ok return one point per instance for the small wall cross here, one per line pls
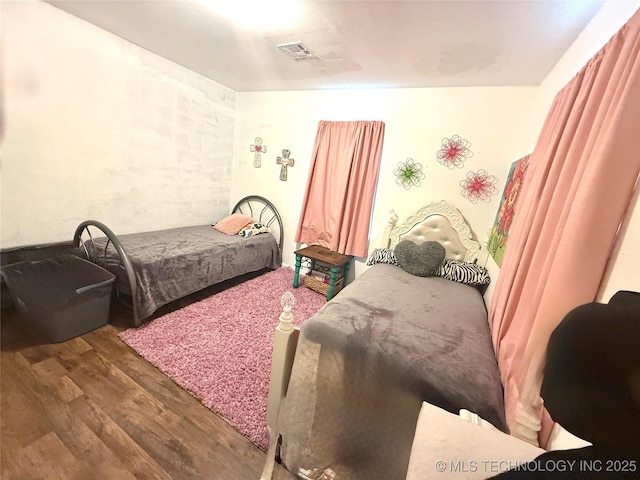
(285, 162)
(258, 148)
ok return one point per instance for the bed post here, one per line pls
(284, 347)
(124, 259)
(391, 222)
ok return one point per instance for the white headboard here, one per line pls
(440, 222)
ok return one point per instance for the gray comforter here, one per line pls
(170, 264)
(367, 360)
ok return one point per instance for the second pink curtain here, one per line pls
(580, 181)
(338, 202)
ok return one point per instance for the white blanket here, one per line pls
(446, 446)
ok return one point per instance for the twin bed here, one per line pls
(346, 390)
(156, 268)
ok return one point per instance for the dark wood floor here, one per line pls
(91, 408)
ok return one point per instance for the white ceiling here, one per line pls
(389, 43)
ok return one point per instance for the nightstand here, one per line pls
(337, 266)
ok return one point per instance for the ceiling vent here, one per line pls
(296, 50)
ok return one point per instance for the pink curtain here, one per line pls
(337, 206)
(580, 182)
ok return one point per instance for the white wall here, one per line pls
(416, 121)
(97, 127)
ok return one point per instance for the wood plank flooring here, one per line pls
(91, 408)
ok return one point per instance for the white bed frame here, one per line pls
(438, 221)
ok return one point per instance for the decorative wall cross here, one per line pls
(258, 148)
(285, 162)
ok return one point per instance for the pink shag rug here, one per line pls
(219, 349)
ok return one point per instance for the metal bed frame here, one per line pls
(267, 214)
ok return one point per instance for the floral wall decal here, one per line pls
(479, 186)
(259, 149)
(408, 174)
(454, 152)
(284, 161)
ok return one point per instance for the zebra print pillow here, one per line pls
(382, 255)
(463, 272)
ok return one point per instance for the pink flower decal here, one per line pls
(479, 186)
(454, 152)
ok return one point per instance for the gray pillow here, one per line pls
(422, 260)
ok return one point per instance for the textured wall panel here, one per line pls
(99, 128)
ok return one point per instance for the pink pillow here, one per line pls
(232, 224)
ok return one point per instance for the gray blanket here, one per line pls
(170, 264)
(367, 360)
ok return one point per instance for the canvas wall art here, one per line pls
(507, 208)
